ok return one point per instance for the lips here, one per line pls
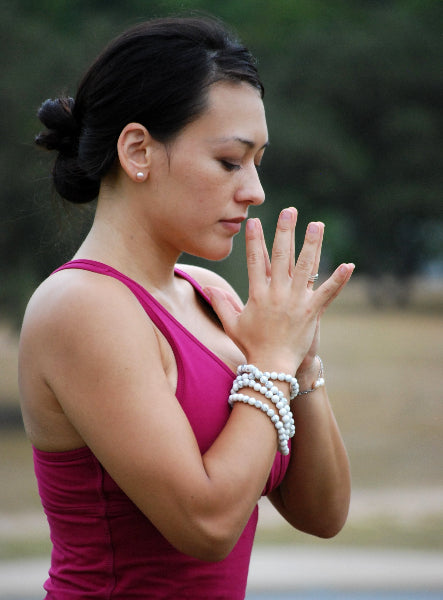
(235, 220)
(233, 225)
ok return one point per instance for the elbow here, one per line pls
(330, 514)
(209, 541)
(329, 529)
(215, 549)
(204, 529)
(326, 525)
(210, 548)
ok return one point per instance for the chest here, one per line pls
(197, 317)
(202, 322)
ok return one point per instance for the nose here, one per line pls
(250, 189)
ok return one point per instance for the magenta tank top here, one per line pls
(103, 546)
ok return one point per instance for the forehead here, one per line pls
(234, 111)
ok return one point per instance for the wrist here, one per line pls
(272, 401)
(280, 362)
(307, 372)
(312, 377)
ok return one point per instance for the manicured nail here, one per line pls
(313, 228)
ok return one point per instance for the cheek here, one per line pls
(205, 185)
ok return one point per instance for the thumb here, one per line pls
(225, 306)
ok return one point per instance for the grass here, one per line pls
(383, 370)
(384, 379)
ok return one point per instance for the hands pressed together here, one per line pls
(280, 321)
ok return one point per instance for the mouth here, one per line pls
(233, 225)
(235, 220)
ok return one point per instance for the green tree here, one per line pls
(356, 109)
(353, 96)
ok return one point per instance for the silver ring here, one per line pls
(313, 278)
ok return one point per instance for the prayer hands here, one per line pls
(280, 321)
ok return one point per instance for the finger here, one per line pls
(281, 249)
(316, 266)
(265, 250)
(331, 288)
(225, 306)
(309, 254)
(292, 259)
(350, 267)
(256, 257)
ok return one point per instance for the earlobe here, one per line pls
(134, 151)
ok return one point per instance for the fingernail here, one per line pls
(343, 269)
(313, 228)
(286, 214)
(250, 225)
(211, 293)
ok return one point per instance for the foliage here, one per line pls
(353, 94)
(366, 141)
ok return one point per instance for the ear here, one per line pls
(134, 149)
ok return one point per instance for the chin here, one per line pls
(214, 253)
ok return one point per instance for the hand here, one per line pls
(278, 326)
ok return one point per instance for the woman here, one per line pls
(150, 458)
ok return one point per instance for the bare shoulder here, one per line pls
(78, 316)
(76, 298)
(206, 277)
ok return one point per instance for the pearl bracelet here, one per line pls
(251, 376)
(283, 438)
(320, 382)
(274, 395)
(258, 375)
(247, 376)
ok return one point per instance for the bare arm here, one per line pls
(315, 493)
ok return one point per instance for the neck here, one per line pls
(118, 238)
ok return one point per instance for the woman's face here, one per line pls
(204, 182)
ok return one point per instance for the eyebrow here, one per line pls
(245, 142)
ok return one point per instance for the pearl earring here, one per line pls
(140, 176)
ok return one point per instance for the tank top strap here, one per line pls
(194, 284)
(103, 269)
(157, 313)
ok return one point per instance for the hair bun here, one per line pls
(62, 129)
(63, 134)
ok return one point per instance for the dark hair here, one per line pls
(156, 73)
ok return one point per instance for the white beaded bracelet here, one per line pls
(283, 437)
(247, 374)
(273, 394)
(251, 376)
(257, 374)
(320, 382)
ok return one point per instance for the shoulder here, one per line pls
(206, 277)
(74, 308)
(70, 293)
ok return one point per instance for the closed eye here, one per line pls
(229, 166)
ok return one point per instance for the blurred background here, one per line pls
(354, 104)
